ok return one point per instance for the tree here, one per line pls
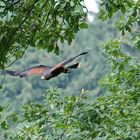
(129, 23)
(113, 116)
(40, 24)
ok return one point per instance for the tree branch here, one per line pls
(19, 26)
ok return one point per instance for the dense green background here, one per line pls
(93, 66)
(100, 100)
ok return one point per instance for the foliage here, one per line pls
(7, 121)
(125, 62)
(129, 22)
(40, 24)
(112, 116)
(108, 117)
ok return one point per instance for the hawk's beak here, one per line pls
(42, 77)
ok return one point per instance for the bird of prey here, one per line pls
(48, 72)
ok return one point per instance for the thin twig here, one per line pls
(11, 63)
(3, 79)
(61, 136)
(43, 7)
(51, 7)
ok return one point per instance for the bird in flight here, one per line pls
(48, 72)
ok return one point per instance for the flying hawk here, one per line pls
(48, 72)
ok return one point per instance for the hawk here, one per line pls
(48, 72)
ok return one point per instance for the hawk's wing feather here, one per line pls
(13, 73)
(36, 70)
(63, 63)
(71, 59)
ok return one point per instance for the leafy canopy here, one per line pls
(38, 23)
(129, 22)
(114, 116)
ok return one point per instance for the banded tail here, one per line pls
(74, 66)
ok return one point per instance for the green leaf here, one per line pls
(1, 108)
(83, 25)
(0, 86)
(4, 125)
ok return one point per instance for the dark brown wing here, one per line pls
(71, 59)
(36, 70)
(58, 66)
(63, 63)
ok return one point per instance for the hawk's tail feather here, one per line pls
(74, 66)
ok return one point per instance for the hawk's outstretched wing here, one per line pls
(58, 66)
(36, 70)
(71, 59)
(63, 63)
